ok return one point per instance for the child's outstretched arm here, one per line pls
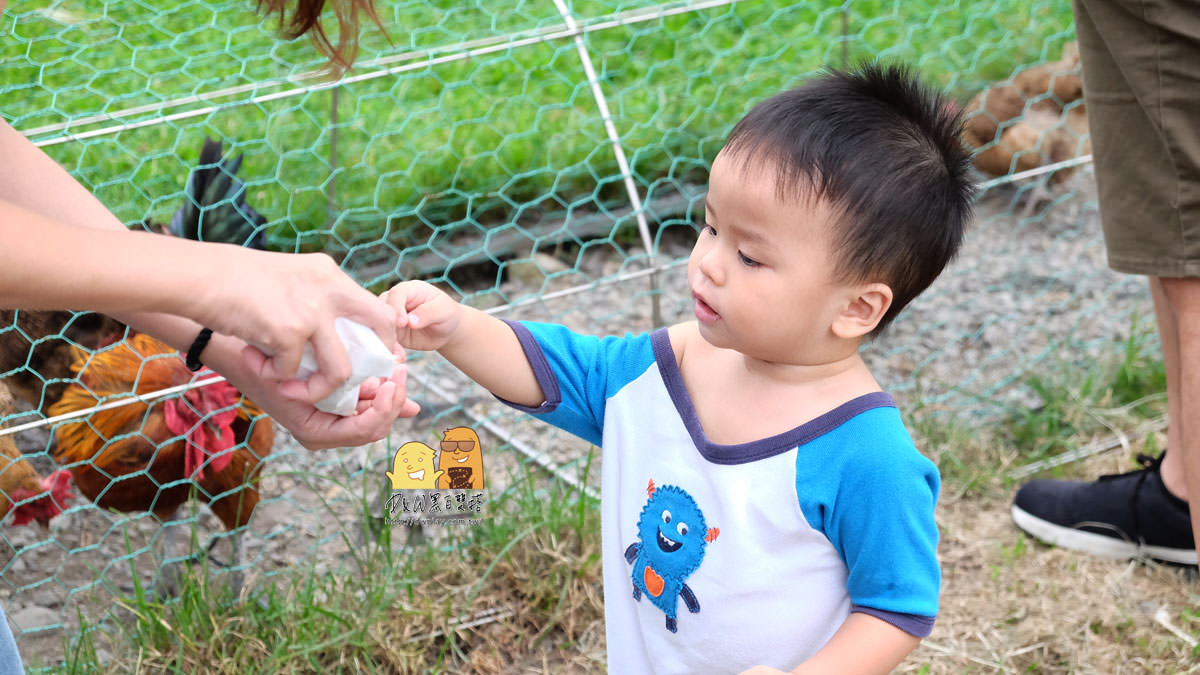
(480, 345)
(864, 645)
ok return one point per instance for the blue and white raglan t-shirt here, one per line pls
(720, 557)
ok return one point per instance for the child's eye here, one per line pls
(705, 228)
(748, 262)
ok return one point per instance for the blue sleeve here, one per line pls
(875, 504)
(579, 373)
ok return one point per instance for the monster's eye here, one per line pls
(666, 516)
(681, 528)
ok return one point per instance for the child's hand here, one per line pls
(482, 346)
(426, 318)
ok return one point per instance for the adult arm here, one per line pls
(60, 247)
(275, 302)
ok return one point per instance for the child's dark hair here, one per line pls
(884, 152)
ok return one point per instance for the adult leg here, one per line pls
(1142, 91)
(1173, 474)
(1182, 297)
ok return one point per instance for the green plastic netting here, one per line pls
(544, 159)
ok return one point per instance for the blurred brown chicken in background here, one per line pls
(140, 457)
(1036, 118)
(24, 492)
(152, 456)
(35, 350)
(146, 456)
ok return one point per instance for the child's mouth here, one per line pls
(704, 312)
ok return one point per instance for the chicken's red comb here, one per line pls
(54, 491)
(60, 485)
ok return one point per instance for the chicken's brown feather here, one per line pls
(19, 480)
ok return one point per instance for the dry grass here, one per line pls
(535, 607)
(1013, 605)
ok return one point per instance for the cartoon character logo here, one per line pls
(672, 537)
(412, 468)
(461, 460)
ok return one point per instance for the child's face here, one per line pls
(761, 272)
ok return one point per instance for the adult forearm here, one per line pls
(32, 180)
(60, 248)
(45, 264)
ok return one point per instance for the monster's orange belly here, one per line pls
(654, 582)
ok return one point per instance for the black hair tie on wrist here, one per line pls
(198, 345)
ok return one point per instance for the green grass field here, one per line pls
(466, 144)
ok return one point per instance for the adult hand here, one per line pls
(277, 303)
(380, 401)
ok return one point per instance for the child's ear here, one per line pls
(865, 310)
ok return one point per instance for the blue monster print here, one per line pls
(672, 537)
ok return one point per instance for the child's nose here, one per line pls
(710, 266)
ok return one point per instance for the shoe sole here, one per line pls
(1097, 544)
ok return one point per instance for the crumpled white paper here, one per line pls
(368, 358)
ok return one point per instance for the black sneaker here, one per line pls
(1128, 515)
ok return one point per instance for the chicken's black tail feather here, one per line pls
(214, 206)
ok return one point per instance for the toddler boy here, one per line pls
(762, 502)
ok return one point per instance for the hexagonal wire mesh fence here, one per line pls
(545, 159)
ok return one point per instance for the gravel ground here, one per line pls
(1024, 293)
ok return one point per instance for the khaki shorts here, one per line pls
(1141, 83)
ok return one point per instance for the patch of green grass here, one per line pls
(302, 624)
(965, 458)
(1075, 403)
(467, 145)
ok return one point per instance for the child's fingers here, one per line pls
(396, 298)
(406, 297)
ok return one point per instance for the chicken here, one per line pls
(1037, 118)
(36, 347)
(146, 456)
(23, 491)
